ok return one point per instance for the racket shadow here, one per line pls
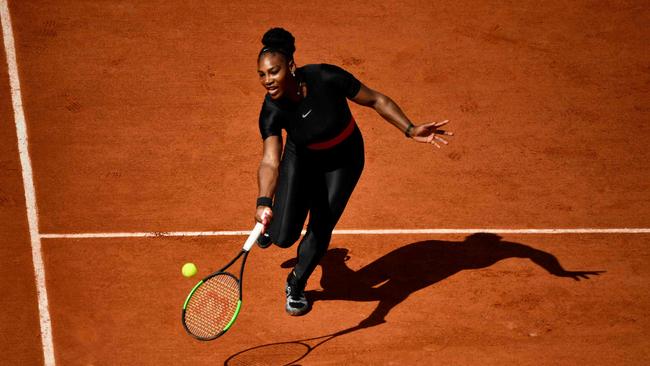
(283, 353)
(392, 278)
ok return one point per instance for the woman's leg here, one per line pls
(290, 204)
(331, 191)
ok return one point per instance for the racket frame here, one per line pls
(255, 233)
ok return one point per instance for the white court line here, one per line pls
(356, 232)
(28, 183)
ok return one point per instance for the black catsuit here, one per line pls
(316, 181)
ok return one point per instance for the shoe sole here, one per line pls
(296, 312)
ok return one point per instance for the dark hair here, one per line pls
(278, 40)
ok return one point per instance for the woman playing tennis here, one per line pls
(322, 158)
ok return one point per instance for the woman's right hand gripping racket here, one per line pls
(214, 303)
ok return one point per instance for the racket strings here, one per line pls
(212, 306)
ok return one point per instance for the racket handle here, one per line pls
(255, 233)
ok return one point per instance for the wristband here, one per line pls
(265, 201)
(407, 133)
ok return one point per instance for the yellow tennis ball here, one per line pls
(189, 269)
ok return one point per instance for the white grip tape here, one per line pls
(257, 230)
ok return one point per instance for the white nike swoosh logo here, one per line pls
(306, 114)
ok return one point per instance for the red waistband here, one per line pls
(336, 140)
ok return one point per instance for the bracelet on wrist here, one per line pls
(407, 132)
(265, 201)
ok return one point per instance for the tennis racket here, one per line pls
(214, 303)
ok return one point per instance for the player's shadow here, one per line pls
(393, 277)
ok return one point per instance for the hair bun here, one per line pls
(281, 39)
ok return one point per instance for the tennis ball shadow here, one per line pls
(392, 278)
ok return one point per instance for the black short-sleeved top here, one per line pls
(320, 116)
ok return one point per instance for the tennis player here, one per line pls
(318, 167)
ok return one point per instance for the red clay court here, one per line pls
(130, 146)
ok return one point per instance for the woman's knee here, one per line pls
(286, 238)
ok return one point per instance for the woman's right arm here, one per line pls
(267, 176)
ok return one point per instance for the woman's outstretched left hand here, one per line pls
(430, 133)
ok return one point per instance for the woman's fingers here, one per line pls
(434, 128)
(431, 139)
(430, 133)
(438, 124)
(441, 132)
(267, 215)
(264, 215)
(441, 139)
